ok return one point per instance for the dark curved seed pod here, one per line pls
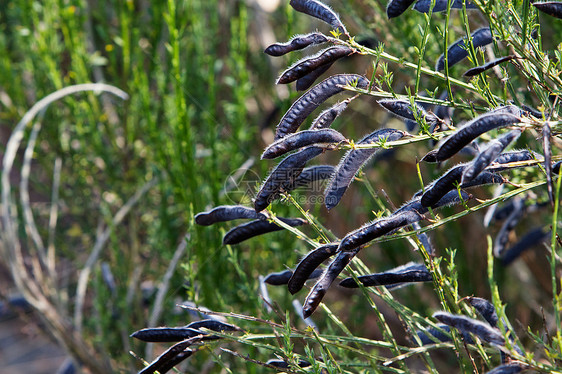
(327, 117)
(439, 335)
(424, 239)
(504, 159)
(284, 176)
(375, 229)
(301, 139)
(482, 68)
(471, 131)
(441, 186)
(546, 134)
(166, 334)
(512, 220)
(313, 174)
(312, 99)
(408, 273)
(317, 9)
(532, 111)
(283, 277)
(353, 160)
(297, 42)
(170, 358)
(457, 51)
(423, 6)
(213, 324)
(485, 309)
(430, 156)
(308, 265)
(488, 155)
(284, 365)
(308, 64)
(226, 213)
(552, 8)
(308, 80)
(319, 290)
(469, 325)
(532, 238)
(397, 7)
(483, 179)
(451, 198)
(403, 108)
(254, 228)
(506, 369)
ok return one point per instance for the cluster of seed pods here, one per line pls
(447, 190)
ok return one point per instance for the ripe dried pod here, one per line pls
(319, 290)
(485, 309)
(284, 176)
(301, 139)
(308, 80)
(353, 160)
(504, 159)
(327, 117)
(321, 11)
(408, 273)
(441, 186)
(439, 336)
(457, 51)
(509, 224)
(488, 155)
(512, 368)
(482, 68)
(403, 108)
(471, 130)
(213, 324)
(311, 175)
(170, 358)
(378, 228)
(312, 99)
(397, 7)
(532, 238)
(254, 228)
(469, 325)
(166, 334)
(308, 265)
(283, 277)
(552, 8)
(297, 42)
(226, 213)
(309, 64)
(451, 198)
(284, 365)
(546, 134)
(424, 6)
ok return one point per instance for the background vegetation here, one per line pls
(129, 175)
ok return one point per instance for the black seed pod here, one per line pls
(307, 65)
(423, 6)
(546, 134)
(327, 117)
(254, 228)
(403, 108)
(319, 290)
(532, 238)
(377, 229)
(480, 69)
(397, 7)
(513, 368)
(311, 175)
(439, 335)
(296, 43)
(170, 358)
(226, 213)
(312, 99)
(284, 365)
(166, 334)
(213, 324)
(353, 160)
(488, 155)
(485, 309)
(469, 325)
(471, 131)
(283, 277)
(441, 186)
(308, 265)
(317, 9)
(552, 8)
(301, 139)
(284, 176)
(408, 273)
(308, 80)
(457, 51)
(509, 224)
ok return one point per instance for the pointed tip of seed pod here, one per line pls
(348, 283)
(267, 155)
(307, 312)
(431, 156)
